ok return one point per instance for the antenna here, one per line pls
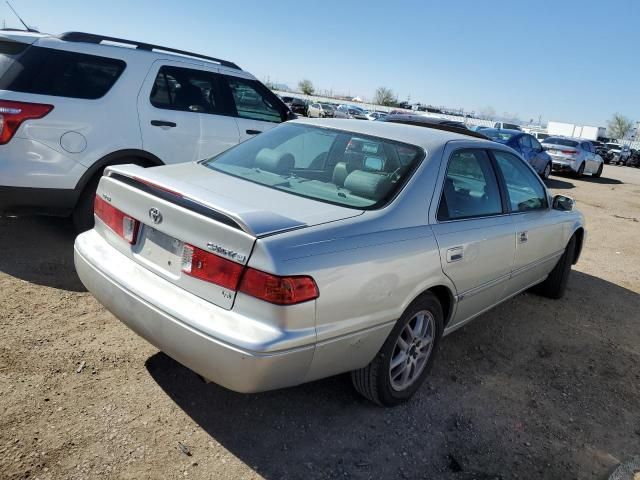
(29, 29)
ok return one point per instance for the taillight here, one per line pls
(12, 114)
(119, 222)
(211, 268)
(278, 290)
(568, 152)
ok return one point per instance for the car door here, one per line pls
(255, 107)
(473, 231)
(538, 235)
(183, 114)
(591, 165)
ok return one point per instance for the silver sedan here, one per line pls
(324, 246)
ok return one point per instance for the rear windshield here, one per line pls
(332, 166)
(561, 141)
(47, 71)
(499, 135)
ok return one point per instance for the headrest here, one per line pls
(367, 184)
(274, 161)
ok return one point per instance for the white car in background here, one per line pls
(76, 103)
(573, 155)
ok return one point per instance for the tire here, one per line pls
(374, 381)
(556, 283)
(82, 215)
(598, 174)
(546, 172)
(580, 171)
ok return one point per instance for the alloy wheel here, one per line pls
(412, 350)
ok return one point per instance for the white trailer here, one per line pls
(578, 131)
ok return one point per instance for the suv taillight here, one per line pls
(275, 289)
(121, 223)
(12, 114)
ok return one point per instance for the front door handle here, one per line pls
(455, 254)
(253, 132)
(523, 237)
(163, 123)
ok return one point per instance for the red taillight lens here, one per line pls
(119, 222)
(12, 114)
(569, 152)
(211, 268)
(278, 290)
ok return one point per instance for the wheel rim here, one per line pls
(412, 350)
(547, 171)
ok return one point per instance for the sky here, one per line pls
(562, 60)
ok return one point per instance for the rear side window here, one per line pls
(187, 90)
(470, 187)
(254, 101)
(524, 189)
(47, 71)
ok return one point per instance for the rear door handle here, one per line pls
(455, 254)
(163, 123)
(253, 132)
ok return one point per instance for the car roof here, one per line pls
(427, 138)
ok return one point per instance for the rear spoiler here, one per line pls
(176, 198)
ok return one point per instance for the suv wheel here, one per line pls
(406, 357)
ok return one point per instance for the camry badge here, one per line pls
(238, 257)
(155, 215)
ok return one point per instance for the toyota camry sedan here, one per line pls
(322, 247)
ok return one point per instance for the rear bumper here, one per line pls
(561, 165)
(27, 201)
(167, 318)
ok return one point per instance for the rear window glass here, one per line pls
(47, 71)
(328, 165)
(561, 141)
(499, 135)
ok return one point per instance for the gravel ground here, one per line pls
(533, 389)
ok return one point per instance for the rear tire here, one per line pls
(386, 386)
(580, 171)
(556, 283)
(599, 172)
(546, 172)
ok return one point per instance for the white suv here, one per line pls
(73, 104)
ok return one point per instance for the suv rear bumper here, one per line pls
(27, 201)
(166, 318)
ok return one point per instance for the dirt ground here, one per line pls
(533, 389)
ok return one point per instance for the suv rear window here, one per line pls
(60, 73)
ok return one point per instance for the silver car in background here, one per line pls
(320, 110)
(324, 246)
(573, 155)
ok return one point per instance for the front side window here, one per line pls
(253, 101)
(187, 90)
(328, 165)
(470, 187)
(61, 73)
(523, 187)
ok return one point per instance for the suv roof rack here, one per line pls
(93, 38)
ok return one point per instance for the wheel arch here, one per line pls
(445, 296)
(144, 158)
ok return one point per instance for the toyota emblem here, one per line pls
(155, 215)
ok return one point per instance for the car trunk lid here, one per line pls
(206, 210)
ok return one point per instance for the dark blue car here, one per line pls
(526, 145)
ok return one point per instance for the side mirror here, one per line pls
(563, 203)
(291, 115)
